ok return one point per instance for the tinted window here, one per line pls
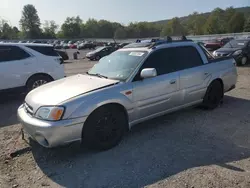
(161, 61)
(186, 57)
(12, 53)
(45, 50)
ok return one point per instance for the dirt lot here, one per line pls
(192, 149)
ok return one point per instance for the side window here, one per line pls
(45, 50)
(5, 54)
(161, 60)
(12, 53)
(187, 57)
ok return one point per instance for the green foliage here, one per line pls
(247, 25)
(120, 33)
(8, 32)
(72, 27)
(30, 22)
(218, 21)
(236, 23)
(49, 29)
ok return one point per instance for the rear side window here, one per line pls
(186, 57)
(45, 50)
(12, 53)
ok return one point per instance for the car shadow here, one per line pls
(9, 104)
(156, 149)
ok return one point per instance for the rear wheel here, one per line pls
(104, 128)
(213, 96)
(37, 81)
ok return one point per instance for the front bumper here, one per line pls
(51, 133)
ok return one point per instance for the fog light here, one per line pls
(42, 140)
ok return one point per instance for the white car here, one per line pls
(25, 66)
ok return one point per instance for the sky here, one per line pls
(123, 11)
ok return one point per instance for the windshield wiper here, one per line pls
(98, 75)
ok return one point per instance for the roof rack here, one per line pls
(150, 43)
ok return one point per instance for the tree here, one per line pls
(6, 31)
(49, 29)
(247, 25)
(228, 14)
(216, 22)
(236, 23)
(195, 24)
(30, 22)
(120, 33)
(173, 27)
(71, 28)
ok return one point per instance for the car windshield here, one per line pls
(236, 44)
(118, 65)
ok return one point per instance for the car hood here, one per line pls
(227, 50)
(58, 91)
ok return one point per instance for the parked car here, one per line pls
(26, 66)
(239, 49)
(73, 46)
(63, 54)
(100, 52)
(121, 45)
(65, 46)
(86, 45)
(126, 87)
(217, 43)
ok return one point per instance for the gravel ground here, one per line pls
(191, 148)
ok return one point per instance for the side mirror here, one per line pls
(148, 73)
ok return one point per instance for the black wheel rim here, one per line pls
(107, 129)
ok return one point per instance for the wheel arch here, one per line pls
(117, 105)
(38, 74)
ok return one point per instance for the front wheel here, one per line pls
(97, 58)
(104, 128)
(213, 96)
(243, 61)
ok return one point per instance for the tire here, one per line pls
(243, 61)
(214, 95)
(37, 81)
(97, 58)
(104, 128)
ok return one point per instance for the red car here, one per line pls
(73, 46)
(217, 43)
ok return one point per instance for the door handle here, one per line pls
(206, 73)
(172, 82)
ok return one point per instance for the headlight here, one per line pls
(238, 52)
(214, 53)
(51, 113)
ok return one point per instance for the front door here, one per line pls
(158, 94)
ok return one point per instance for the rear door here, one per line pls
(158, 94)
(193, 74)
(14, 66)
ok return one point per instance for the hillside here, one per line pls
(245, 10)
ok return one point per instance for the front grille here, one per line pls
(28, 109)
